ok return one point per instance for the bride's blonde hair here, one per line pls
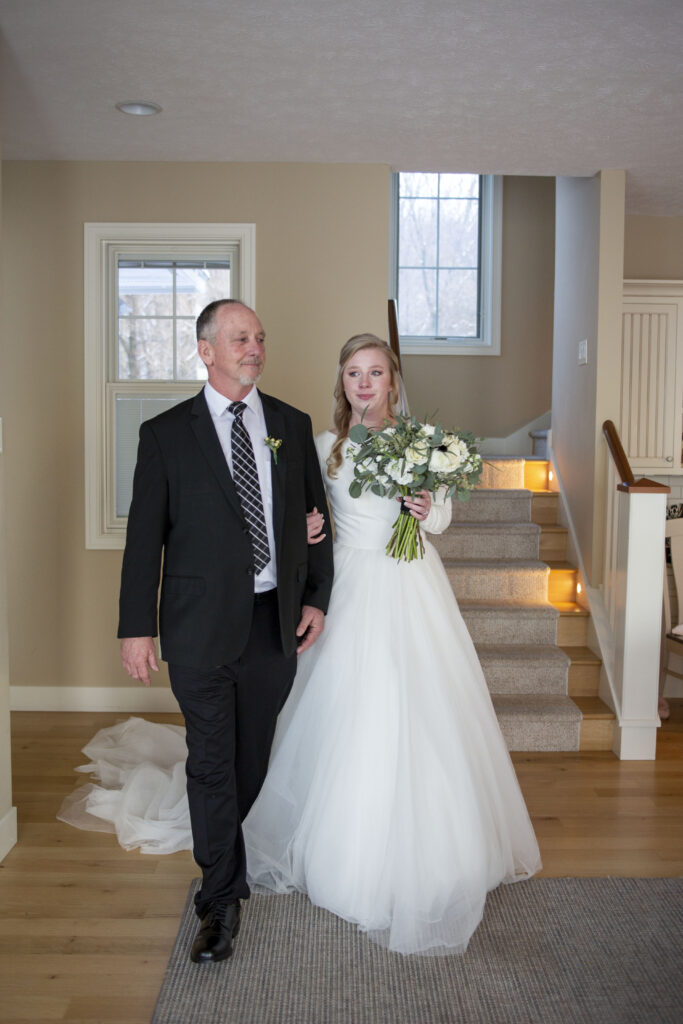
(341, 414)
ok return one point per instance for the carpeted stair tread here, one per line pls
(510, 622)
(502, 564)
(473, 526)
(488, 541)
(524, 579)
(487, 505)
(538, 722)
(524, 668)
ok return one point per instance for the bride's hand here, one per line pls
(314, 524)
(419, 505)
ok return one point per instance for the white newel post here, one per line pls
(639, 588)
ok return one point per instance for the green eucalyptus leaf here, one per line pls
(359, 433)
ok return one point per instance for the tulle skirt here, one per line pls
(391, 798)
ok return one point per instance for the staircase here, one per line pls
(504, 554)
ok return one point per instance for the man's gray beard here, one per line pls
(246, 379)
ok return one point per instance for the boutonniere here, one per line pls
(274, 444)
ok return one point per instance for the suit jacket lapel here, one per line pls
(206, 435)
(275, 425)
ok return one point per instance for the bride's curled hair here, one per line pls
(341, 415)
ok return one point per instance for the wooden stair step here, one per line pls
(544, 507)
(597, 725)
(572, 626)
(553, 541)
(584, 671)
(536, 474)
(562, 581)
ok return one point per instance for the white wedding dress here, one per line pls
(390, 799)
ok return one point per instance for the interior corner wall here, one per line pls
(608, 375)
(494, 396)
(577, 249)
(321, 275)
(589, 261)
(8, 819)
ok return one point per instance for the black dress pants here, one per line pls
(230, 716)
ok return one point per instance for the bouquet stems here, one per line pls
(405, 542)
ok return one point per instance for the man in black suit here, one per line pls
(222, 486)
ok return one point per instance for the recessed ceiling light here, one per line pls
(139, 107)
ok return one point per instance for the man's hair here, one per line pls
(206, 321)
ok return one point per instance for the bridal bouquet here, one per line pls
(407, 457)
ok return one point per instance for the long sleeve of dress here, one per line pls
(439, 517)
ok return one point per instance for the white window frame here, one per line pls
(102, 243)
(488, 342)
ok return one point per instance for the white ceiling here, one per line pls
(511, 86)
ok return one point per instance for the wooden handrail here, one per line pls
(393, 332)
(628, 482)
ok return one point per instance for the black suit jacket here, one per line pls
(185, 505)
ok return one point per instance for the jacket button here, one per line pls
(245, 529)
(250, 570)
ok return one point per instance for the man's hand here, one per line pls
(310, 627)
(138, 652)
(314, 524)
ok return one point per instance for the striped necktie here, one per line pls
(245, 476)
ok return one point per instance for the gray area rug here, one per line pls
(594, 950)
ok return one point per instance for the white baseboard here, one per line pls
(636, 740)
(8, 832)
(92, 698)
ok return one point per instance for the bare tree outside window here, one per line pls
(439, 255)
(158, 302)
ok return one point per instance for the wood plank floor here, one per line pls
(86, 929)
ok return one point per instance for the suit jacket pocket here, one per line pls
(184, 584)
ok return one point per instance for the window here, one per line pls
(145, 285)
(446, 259)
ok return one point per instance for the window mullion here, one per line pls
(175, 321)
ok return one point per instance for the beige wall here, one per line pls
(588, 286)
(322, 257)
(321, 245)
(653, 248)
(8, 819)
(496, 395)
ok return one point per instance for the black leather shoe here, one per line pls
(219, 927)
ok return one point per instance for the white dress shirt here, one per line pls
(255, 424)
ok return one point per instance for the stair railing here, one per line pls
(627, 610)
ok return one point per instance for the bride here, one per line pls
(390, 798)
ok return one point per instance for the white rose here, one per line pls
(399, 473)
(457, 447)
(417, 453)
(428, 429)
(443, 462)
